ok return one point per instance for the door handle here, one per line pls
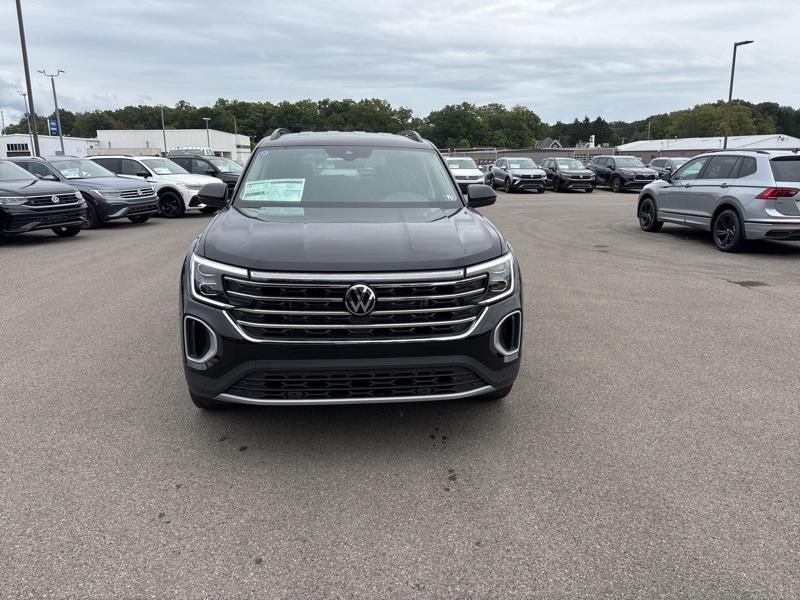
(723, 185)
(687, 185)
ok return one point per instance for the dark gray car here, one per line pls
(567, 174)
(737, 196)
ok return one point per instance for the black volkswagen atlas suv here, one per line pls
(28, 204)
(348, 268)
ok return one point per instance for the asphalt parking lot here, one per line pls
(650, 447)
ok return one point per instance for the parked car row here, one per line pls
(66, 194)
(522, 174)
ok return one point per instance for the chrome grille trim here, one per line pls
(310, 307)
(452, 274)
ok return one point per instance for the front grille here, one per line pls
(48, 200)
(645, 177)
(532, 176)
(144, 208)
(309, 311)
(139, 193)
(355, 384)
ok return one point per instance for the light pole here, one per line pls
(29, 102)
(163, 131)
(208, 135)
(730, 92)
(28, 114)
(55, 102)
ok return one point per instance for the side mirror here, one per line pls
(143, 174)
(667, 176)
(214, 195)
(612, 167)
(478, 194)
(211, 172)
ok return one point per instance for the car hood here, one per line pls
(638, 171)
(381, 240)
(526, 172)
(187, 179)
(466, 172)
(107, 183)
(34, 187)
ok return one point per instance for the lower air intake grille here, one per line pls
(368, 383)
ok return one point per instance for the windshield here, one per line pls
(225, 165)
(626, 162)
(286, 181)
(569, 163)
(11, 172)
(522, 163)
(460, 163)
(164, 166)
(80, 168)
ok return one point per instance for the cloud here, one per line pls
(621, 59)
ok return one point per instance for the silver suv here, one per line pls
(737, 196)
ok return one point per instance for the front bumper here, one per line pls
(22, 218)
(577, 184)
(117, 209)
(636, 184)
(236, 358)
(528, 184)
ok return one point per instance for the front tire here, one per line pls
(616, 185)
(508, 186)
(69, 231)
(171, 205)
(647, 214)
(92, 217)
(139, 218)
(206, 403)
(490, 182)
(556, 185)
(727, 231)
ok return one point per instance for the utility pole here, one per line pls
(163, 130)
(55, 102)
(208, 135)
(730, 92)
(28, 115)
(29, 101)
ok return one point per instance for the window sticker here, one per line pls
(274, 190)
(162, 171)
(264, 153)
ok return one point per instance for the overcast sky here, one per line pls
(619, 59)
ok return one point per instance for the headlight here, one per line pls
(206, 280)
(12, 200)
(107, 194)
(501, 277)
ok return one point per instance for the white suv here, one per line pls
(176, 187)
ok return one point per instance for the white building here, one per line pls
(151, 141)
(20, 144)
(692, 146)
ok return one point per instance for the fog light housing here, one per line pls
(508, 335)
(199, 341)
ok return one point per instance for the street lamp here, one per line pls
(55, 101)
(208, 135)
(29, 99)
(730, 92)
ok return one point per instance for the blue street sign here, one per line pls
(52, 126)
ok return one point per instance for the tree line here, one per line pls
(464, 125)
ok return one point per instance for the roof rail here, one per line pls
(278, 133)
(411, 134)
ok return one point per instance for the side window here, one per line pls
(501, 163)
(40, 169)
(690, 170)
(183, 162)
(112, 164)
(747, 167)
(659, 162)
(720, 167)
(130, 167)
(610, 163)
(200, 167)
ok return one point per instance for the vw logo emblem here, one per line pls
(55, 199)
(360, 299)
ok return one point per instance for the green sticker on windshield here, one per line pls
(274, 190)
